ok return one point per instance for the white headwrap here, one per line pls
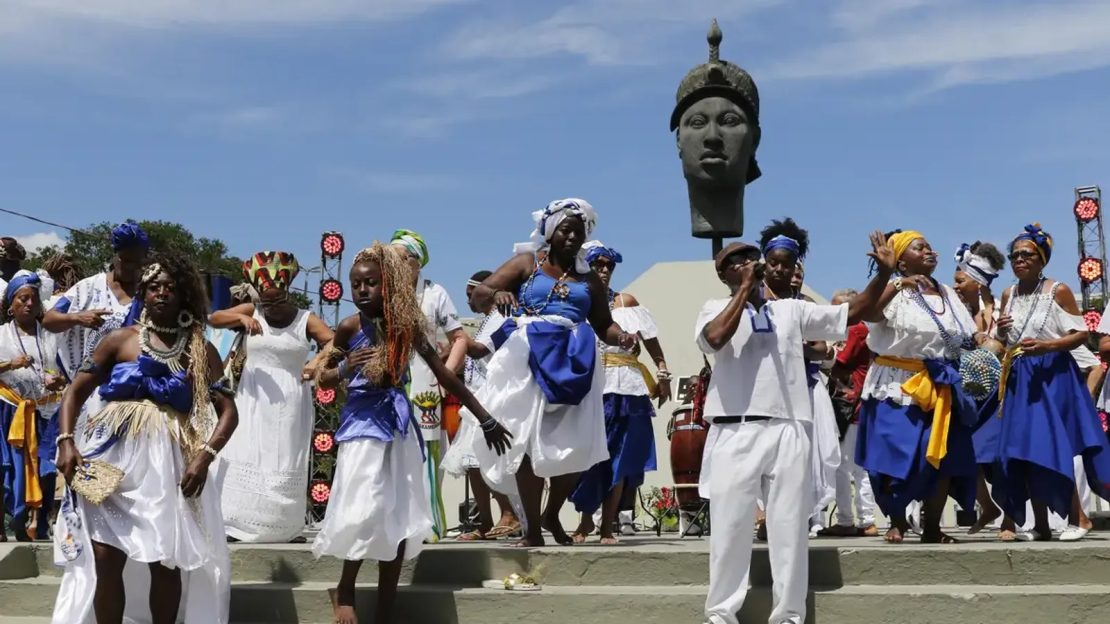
(548, 220)
(45, 285)
(976, 267)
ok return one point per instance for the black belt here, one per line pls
(732, 420)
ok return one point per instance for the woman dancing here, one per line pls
(162, 522)
(265, 487)
(915, 422)
(378, 509)
(629, 389)
(544, 382)
(1048, 416)
(30, 391)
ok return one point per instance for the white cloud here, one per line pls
(957, 43)
(479, 84)
(601, 32)
(393, 181)
(243, 117)
(34, 242)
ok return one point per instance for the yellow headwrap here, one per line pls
(901, 241)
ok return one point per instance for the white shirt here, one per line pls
(440, 313)
(628, 380)
(761, 371)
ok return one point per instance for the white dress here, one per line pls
(460, 457)
(826, 446)
(266, 486)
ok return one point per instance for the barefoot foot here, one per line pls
(529, 541)
(984, 521)
(585, 529)
(894, 536)
(609, 540)
(555, 527)
(343, 605)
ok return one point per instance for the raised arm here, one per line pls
(720, 330)
(498, 289)
(869, 304)
(241, 315)
(497, 437)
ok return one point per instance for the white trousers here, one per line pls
(767, 459)
(860, 500)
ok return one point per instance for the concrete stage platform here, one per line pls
(649, 580)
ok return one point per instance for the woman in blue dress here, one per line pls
(1048, 415)
(153, 550)
(544, 382)
(378, 508)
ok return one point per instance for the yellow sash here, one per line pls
(616, 360)
(23, 435)
(1012, 354)
(928, 396)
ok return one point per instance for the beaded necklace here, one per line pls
(952, 343)
(1037, 296)
(39, 365)
(560, 288)
(170, 357)
(471, 367)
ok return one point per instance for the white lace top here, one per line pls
(1039, 316)
(908, 331)
(626, 379)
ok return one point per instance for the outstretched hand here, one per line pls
(497, 437)
(882, 252)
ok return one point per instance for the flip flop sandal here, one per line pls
(474, 536)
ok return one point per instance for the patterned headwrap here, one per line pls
(271, 269)
(548, 220)
(596, 249)
(40, 280)
(129, 236)
(783, 242)
(1034, 234)
(901, 241)
(413, 243)
(976, 267)
(11, 250)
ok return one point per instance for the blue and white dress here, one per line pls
(1048, 417)
(545, 385)
(628, 415)
(146, 429)
(378, 496)
(894, 432)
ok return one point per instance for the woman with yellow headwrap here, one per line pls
(1048, 416)
(915, 423)
(265, 490)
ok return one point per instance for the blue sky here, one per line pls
(265, 123)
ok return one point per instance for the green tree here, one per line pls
(91, 250)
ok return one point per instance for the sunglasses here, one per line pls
(1023, 255)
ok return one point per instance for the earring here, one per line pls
(185, 319)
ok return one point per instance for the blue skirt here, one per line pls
(1048, 418)
(631, 444)
(986, 433)
(891, 447)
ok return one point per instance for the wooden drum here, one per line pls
(687, 432)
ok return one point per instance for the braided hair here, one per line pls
(63, 269)
(402, 322)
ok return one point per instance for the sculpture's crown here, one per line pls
(717, 77)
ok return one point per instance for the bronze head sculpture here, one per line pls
(717, 122)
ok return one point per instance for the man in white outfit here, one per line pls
(758, 399)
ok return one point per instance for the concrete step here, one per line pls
(650, 562)
(279, 603)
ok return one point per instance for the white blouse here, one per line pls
(628, 380)
(908, 331)
(1039, 316)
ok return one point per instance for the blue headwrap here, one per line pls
(597, 249)
(129, 236)
(783, 242)
(1034, 234)
(40, 281)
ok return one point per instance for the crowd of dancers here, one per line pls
(178, 430)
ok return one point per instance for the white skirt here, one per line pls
(826, 446)
(265, 493)
(559, 439)
(378, 500)
(151, 521)
(461, 456)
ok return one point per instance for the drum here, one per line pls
(451, 416)
(687, 431)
